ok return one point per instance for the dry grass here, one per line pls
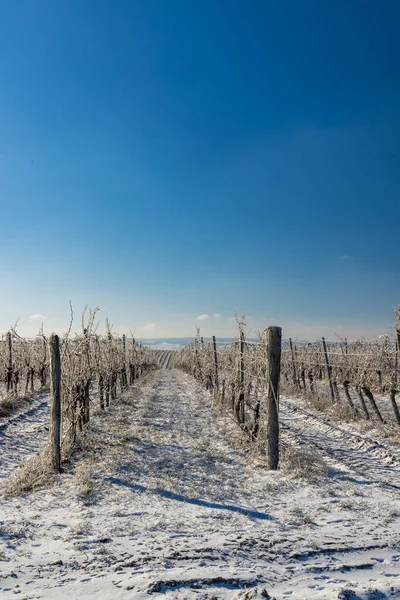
(320, 402)
(34, 473)
(9, 404)
(340, 411)
(303, 463)
(84, 482)
(394, 435)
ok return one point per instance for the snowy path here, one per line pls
(22, 434)
(181, 511)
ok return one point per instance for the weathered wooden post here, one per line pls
(239, 400)
(108, 390)
(328, 368)
(86, 387)
(124, 379)
(295, 378)
(43, 376)
(393, 390)
(273, 337)
(346, 385)
(10, 362)
(362, 401)
(86, 402)
(101, 391)
(132, 372)
(241, 396)
(371, 399)
(55, 399)
(216, 383)
(197, 370)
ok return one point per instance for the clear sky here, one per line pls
(170, 159)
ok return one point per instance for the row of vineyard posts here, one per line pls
(87, 370)
(243, 378)
(97, 364)
(347, 372)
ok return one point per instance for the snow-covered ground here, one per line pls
(22, 434)
(180, 508)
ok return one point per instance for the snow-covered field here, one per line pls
(181, 509)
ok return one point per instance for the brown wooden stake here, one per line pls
(328, 369)
(101, 391)
(197, 366)
(393, 391)
(86, 386)
(10, 362)
(239, 402)
(124, 375)
(295, 379)
(55, 399)
(108, 388)
(346, 385)
(336, 390)
(362, 402)
(216, 382)
(303, 376)
(256, 423)
(274, 348)
(394, 405)
(311, 380)
(86, 402)
(371, 398)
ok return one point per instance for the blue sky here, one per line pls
(170, 159)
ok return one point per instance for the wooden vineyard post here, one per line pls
(295, 379)
(362, 401)
(241, 401)
(346, 385)
(55, 399)
(43, 378)
(132, 354)
(124, 378)
(216, 384)
(393, 391)
(328, 368)
(86, 395)
(10, 362)
(108, 388)
(239, 405)
(371, 399)
(86, 402)
(273, 337)
(197, 368)
(101, 391)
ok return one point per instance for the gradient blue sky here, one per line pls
(166, 159)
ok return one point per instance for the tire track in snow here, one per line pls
(365, 457)
(23, 434)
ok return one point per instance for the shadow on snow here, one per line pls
(196, 501)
